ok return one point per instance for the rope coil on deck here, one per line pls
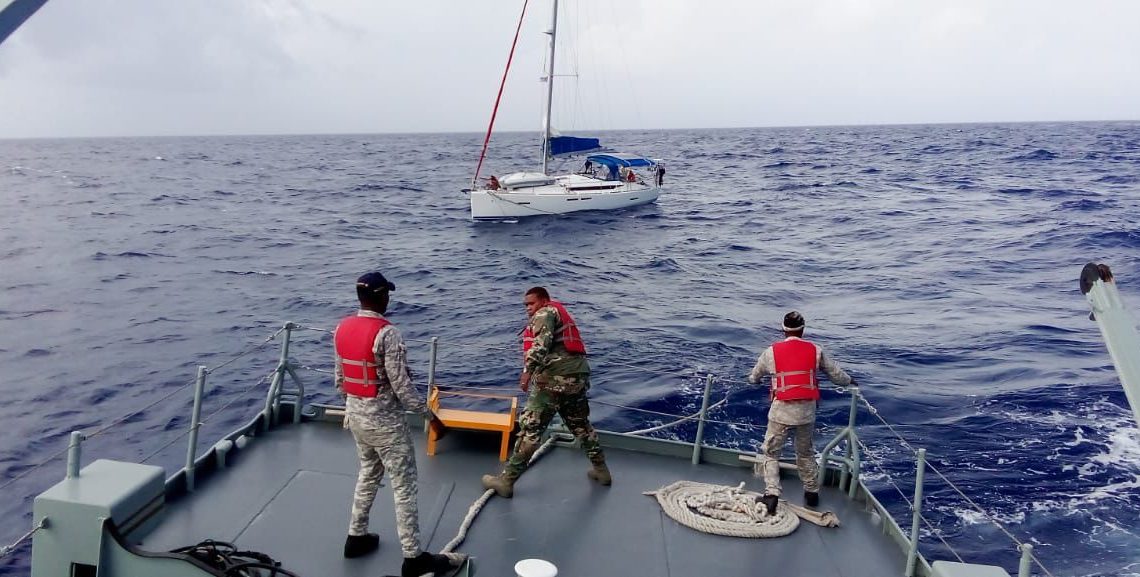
(722, 510)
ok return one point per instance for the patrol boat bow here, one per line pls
(281, 485)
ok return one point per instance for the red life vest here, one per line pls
(355, 337)
(565, 333)
(794, 379)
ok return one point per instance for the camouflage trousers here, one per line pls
(391, 450)
(540, 409)
(769, 465)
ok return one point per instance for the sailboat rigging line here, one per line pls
(499, 97)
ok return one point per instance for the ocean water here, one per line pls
(939, 264)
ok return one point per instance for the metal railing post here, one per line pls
(300, 406)
(844, 473)
(701, 422)
(195, 416)
(273, 397)
(74, 452)
(1026, 558)
(431, 361)
(282, 368)
(916, 516)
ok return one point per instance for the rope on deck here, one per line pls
(723, 510)
(477, 506)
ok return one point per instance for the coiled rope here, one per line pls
(722, 510)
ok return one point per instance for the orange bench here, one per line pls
(472, 420)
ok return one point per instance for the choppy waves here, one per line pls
(938, 263)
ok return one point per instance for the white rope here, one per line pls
(695, 415)
(477, 506)
(722, 510)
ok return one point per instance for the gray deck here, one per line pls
(289, 493)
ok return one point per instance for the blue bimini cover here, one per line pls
(562, 145)
(616, 159)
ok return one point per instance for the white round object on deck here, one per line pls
(535, 568)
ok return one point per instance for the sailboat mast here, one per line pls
(549, 88)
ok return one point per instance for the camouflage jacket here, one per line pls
(547, 360)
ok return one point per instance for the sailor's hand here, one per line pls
(524, 381)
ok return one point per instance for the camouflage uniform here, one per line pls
(785, 415)
(383, 439)
(559, 384)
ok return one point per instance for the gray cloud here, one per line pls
(136, 67)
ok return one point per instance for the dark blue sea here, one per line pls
(939, 264)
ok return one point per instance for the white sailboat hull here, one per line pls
(570, 193)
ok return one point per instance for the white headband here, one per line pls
(792, 329)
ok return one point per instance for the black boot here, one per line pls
(360, 545)
(811, 498)
(770, 502)
(427, 563)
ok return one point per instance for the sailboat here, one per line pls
(606, 180)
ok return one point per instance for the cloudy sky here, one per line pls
(178, 67)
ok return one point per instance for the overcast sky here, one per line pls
(180, 67)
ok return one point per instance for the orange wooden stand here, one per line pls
(476, 420)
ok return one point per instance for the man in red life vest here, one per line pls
(372, 372)
(557, 376)
(793, 364)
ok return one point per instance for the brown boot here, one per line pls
(600, 474)
(503, 485)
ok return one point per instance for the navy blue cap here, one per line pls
(375, 282)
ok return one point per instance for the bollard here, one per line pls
(74, 451)
(1026, 558)
(701, 423)
(916, 516)
(221, 450)
(195, 415)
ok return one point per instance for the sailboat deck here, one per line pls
(288, 495)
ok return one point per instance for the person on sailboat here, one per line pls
(493, 183)
(557, 376)
(792, 363)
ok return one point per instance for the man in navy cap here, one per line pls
(793, 363)
(372, 372)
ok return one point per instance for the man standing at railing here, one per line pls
(793, 364)
(372, 372)
(557, 376)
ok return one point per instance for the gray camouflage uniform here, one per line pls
(383, 439)
(785, 415)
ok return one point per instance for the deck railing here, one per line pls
(848, 462)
